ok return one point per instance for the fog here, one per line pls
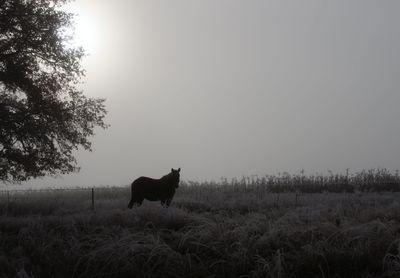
(232, 88)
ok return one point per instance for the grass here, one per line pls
(209, 231)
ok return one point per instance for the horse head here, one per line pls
(175, 176)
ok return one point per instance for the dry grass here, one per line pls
(208, 232)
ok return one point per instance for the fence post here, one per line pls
(8, 201)
(277, 200)
(92, 198)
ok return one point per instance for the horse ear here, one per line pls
(179, 169)
(172, 169)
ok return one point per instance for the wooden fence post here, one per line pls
(92, 198)
(8, 200)
(277, 200)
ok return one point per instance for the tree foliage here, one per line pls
(43, 116)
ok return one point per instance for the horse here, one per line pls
(162, 189)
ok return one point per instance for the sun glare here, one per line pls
(85, 29)
(85, 33)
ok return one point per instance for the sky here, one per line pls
(232, 88)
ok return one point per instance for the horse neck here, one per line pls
(169, 179)
(166, 177)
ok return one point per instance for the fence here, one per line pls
(79, 195)
(365, 181)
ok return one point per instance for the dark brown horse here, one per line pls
(162, 189)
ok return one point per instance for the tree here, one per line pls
(43, 116)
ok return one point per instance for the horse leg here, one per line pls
(135, 200)
(168, 202)
(163, 202)
(139, 201)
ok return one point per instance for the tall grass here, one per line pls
(373, 180)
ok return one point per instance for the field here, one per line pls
(210, 230)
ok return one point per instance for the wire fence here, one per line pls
(380, 180)
(12, 197)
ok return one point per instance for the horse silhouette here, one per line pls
(162, 189)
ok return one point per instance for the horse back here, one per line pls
(144, 181)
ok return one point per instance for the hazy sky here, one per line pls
(232, 88)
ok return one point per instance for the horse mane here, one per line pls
(167, 176)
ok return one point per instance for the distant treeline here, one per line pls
(374, 180)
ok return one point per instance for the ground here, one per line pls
(209, 231)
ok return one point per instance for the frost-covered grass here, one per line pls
(207, 232)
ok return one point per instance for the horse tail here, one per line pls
(130, 205)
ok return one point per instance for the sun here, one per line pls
(85, 32)
(85, 29)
